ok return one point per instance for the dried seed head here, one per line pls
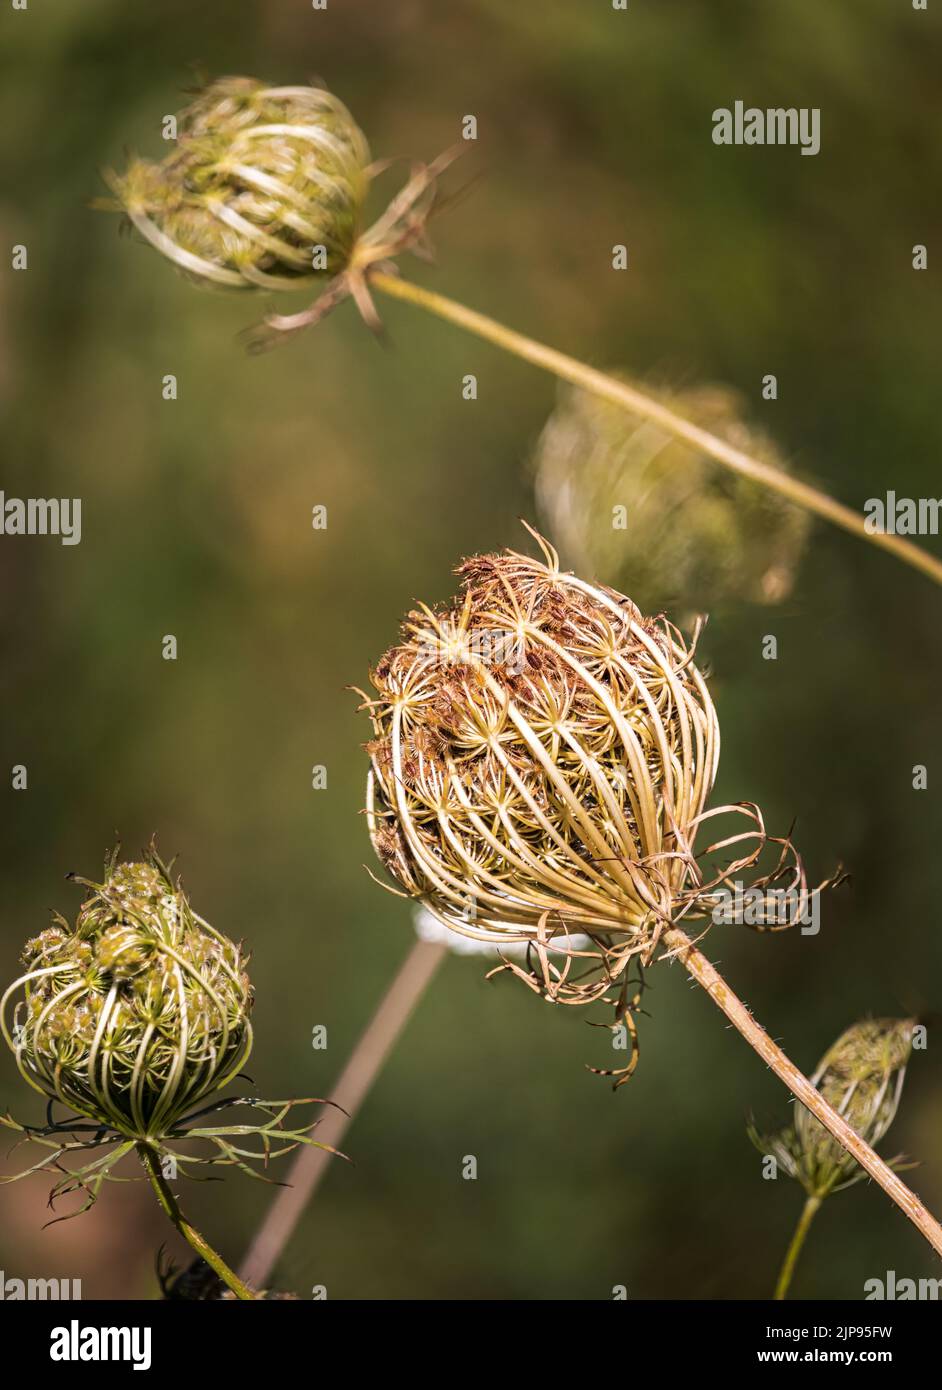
(135, 1013)
(541, 761)
(259, 179)
(627, 500)
(861, 1076)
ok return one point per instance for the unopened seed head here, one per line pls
(136, 1012)
(628, 501)
(861, 1076)
(263, 189)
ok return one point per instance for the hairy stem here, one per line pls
(364, 1065)
(706, 975)
(151, 1161)
(599, 384)
(809, 1211)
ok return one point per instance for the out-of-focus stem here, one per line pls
(364, 1065)
(794, 1246)
(200, 1244)
(706, 975)
(637, 403)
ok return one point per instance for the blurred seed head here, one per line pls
(695, 533)
(861, 1076)
(134, 1013)
(541, 761)
(259, 176)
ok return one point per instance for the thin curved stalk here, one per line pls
(377, 1041)
(707, 976)
(200, 1244)
(809, 1211)
(599, 384)
(366, 1061)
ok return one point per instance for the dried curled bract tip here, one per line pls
(861, 1076)
(265, 189)
(629, 501)
(542, 756)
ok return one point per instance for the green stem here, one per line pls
(637, 403)
(150, 1159)
(794, 1248)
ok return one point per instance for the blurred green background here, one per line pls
(594, 129)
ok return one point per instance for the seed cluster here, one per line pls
(259, 177)
(134, 1013)
(541, 759)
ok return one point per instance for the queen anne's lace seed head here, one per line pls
(136, 1012)
(542, 758)
(630, 502)
(861, 1076)
(541, 762)
(265, 189)
(259, 179)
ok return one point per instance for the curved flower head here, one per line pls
(134, 1017)
(259, 179)
(541, 763)
(861, 1076)
(136, 1012)
(625, 499)
(265, 189)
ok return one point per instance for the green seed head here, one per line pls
(264, 187)
(629, 502)
(861, 1076)
(137, 1011)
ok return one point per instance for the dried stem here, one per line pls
(364, 1065)
(735, 1010)
(637, 403)
(151, 1161)
(809, 1211)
